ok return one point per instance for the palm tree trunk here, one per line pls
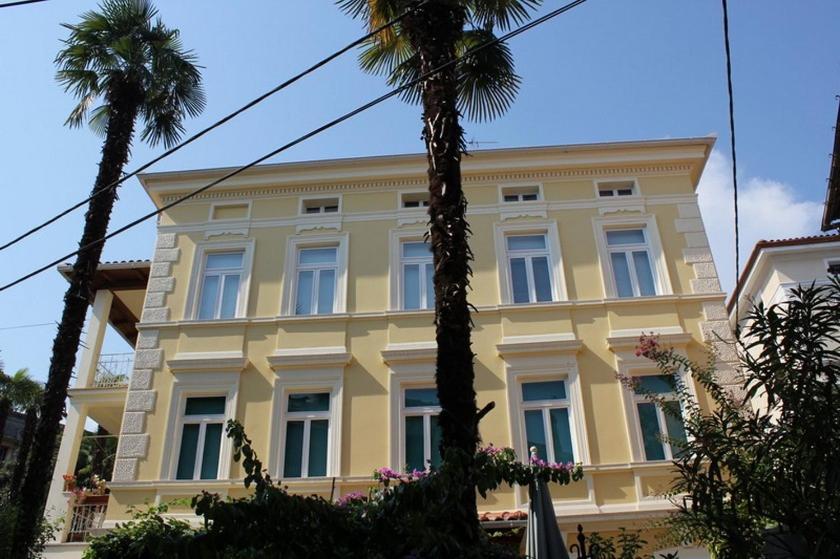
(5, 408)
(124, 103)
(28, 434)
(434, 30)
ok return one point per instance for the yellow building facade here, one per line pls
(295, 298)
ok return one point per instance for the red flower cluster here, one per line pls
(648, 345)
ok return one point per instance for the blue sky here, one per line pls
(607, 70)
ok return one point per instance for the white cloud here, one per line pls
(768, 209)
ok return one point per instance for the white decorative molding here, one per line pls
(411, 352)
(202, 361)
(315, 224)
(622, 208)
(324, 356)
(409, 220)
(538, 343)
(627, 339)
(515, 210)
(226, 232)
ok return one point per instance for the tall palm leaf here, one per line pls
(121, 63)
(483, 87)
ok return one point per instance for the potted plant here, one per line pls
(69, 482)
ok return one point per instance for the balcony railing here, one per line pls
(113, 370)
(86, 517)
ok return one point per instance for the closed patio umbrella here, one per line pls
(543, 539)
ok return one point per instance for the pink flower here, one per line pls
(350, 498)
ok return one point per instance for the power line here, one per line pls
(734, 159)
(215, 125)
(20, 3)
(20, 326)
(300, 139)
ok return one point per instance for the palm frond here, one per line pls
(385, 53)
(487, 80)
(502, 14)
(125, 49)
(99, 118)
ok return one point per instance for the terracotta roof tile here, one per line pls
(502, 516)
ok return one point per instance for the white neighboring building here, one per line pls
(776, 267)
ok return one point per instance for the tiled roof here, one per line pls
(503, 516)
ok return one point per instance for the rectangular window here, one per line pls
(220, 285)
(630, 261)
(201, 438)
(415, 200)
(530, 269)
(615, 189)
(421, 410)
(418, 271)
(307, 429)
(546, 416)
(317, 271)
(658, 426)
(320, 206)
(521, 193)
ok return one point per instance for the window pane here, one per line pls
(430, 286)
(318, 434)
(561, 434)
(547, 390)
(294, 449)
(330, 209)
(622, 274)
(644, 274)
(326, 291)
(303, 304)
(625, 191)
(224, 260)
(519, 280)
(656, 384)
(605, 192)
(529, 197)
(316, 401)
(212, 446)
(526, 242)
(650, 431)
(417, 249)
(437, 435)
(209, 293)
(313, 209)
(511, 198)
(535, 433)
(674, 425)
(186, 456)
(318, 255)
(214, 405)
(414, 458)
(542, 278)
(421, 397)
(411, 286)
(628, 237)
(230, 296)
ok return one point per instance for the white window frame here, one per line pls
(411, 365)
(395, 266)
(425, 298)
(192, 385)
(316, 270)
(555, 259)
(306, 199)
(613, 184)
(290, 270)
(518, 189)
(623, 344)
(426, 412)
(543, 358)
(307, 370)
(307, 417)
(423, 196)
(658, 264)
(627, 250)
(203, 248)
(544, 406)
(660, 417)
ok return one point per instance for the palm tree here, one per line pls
(17, 392)
(483, 87)
(123, 57)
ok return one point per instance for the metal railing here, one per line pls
(85, 519)
(113, 370)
